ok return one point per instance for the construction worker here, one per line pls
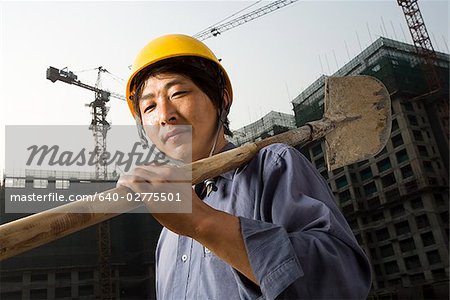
(269, 229)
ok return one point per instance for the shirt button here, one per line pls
(184, 257)
(207, 251)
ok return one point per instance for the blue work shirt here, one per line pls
(298, 243)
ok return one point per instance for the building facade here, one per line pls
(396, 202)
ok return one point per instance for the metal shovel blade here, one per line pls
(360, 108)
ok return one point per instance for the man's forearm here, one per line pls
(220, 232)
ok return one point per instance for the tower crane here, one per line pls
(220, 28)
(99, 126)
(429, 61)
(421, 41)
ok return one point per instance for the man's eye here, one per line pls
(178, 94)
(149, 108)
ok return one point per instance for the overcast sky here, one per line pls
(270, 60)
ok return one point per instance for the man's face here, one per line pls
(169, 100)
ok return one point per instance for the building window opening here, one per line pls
(370, 189)
(382, 234)
(422, 151)
(438, 200)
(394, 125)
(407, 245)
(366, 174)
(40, 183)
(15, 182)
(373, 253)
(320, 163)
(422, 221)
(416, 203)
(397, 210)
(341, 182)
(38, 277)
(316, 150)
(412, 262)
(377, 217)
(408, 106)
(387, 251)
(407, 172)
(339, 170)
(344, 196)
(418, 135)
(402, 228)
(388, 180)
(397, 140)
(427, 239)
(373, 202)
(391, 267)
(63, 292)
(38, 294)
(439, 274)
(433, 257)
(428, 166)
(412, 120)
(62, 184)
(417, 278)
(401, 156)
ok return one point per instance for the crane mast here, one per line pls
(429, 63)
(99, 126)
(421, 41)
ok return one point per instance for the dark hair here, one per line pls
(204, 73)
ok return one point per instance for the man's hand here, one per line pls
(169, 180)
(216, 230)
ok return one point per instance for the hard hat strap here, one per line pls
(141, 132)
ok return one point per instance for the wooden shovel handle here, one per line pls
(30, 232)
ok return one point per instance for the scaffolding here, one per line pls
(271, 124)
(395, 63)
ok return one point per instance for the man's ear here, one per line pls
(226, 101)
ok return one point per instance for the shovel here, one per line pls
(356, 126)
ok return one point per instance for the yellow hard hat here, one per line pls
(169, 46)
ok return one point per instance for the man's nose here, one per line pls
(167, 113)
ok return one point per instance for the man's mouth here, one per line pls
(172, 134)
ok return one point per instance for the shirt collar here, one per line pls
(228, 175)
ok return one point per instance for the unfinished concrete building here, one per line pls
(396, 202)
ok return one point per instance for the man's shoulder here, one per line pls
(274, 156)
(277, 151)
(278, 148)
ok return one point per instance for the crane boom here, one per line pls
(216, 30)
(64, 75)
